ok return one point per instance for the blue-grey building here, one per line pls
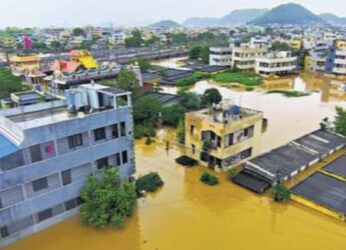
(48, 149)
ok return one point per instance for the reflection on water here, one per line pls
(186, 214)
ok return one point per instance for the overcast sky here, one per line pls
(135, 12)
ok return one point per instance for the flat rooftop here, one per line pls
(323, 190)
(293, 157)
(225, 115)
(337, 167)
(42, 117)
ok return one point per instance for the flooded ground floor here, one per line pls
(186, 214)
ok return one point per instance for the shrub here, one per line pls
(172, 114)
(187, 81)
(149, 183)
(280, 192)
(147, 130)
(108, 199)
(209, 179)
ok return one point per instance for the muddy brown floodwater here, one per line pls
(186, 214)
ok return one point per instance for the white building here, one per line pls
(244, 56)
(220, 56)
(276, 63)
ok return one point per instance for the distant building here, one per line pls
(231, 134)
(276, 63)
(220, 56)
(244, 56)
(47, 150)
(336, 59)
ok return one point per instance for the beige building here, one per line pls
(244, 57)
(223, 137)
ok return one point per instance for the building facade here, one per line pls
(223, 137)
(47, 150)
(244, 57)
(220, 56)
(276, 63)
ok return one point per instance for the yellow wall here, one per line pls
(317, 207)
(205, 123)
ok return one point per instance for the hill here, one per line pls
(165, 24)
(288, 14)
(333, 19)
(236, 17)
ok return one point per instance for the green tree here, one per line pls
(56, 45)
(180, 38)
(280, 192)
(39, 45)
(143, 63)
(172, 114)
(78, 32)
(146, 110)
(279, 46)
(191, 100)
(127, 80)
(135, 40)
(108, 199)
(149, 183)
(9, 83)
(340, 121)
(211, 96)
(195, 52)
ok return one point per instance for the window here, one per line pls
(124, 156)
(75, 141)
(117, 159)
(115, 131)
(246, 132)
(4, 232)
(99, 134)
(1, 206)
(40, 184)
(66, 177)
(122, 129)
(35, 153)
(192, 129)
(101, 163)
(71, 204)
(44, 215)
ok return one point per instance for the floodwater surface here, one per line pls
(186, 214)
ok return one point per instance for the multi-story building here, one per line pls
(22, 64)
(220, 56)
(48, 149)
(223, 137)
(336, 60)
(276, 63)
(244, 56)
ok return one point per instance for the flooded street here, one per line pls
(186, 214)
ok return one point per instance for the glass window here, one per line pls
(124, 156)
(40, 184)
(44, 215)
(115, 131)
(66, 177)
(4, 232)
(101, 163)
(100, 134)
(122, 129)
(75, 140)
